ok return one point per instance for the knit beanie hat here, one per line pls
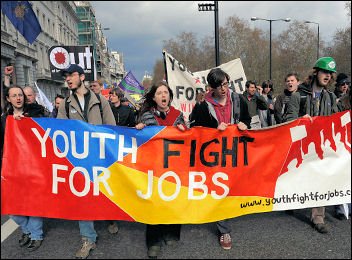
(341, 79)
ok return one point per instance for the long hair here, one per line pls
(312, 75)
(149, 103)
(8, 108)
(268, 83)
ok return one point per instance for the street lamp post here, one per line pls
(270, 21)
(318, 37)
(213, 7)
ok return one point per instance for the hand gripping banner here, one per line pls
(159, 175)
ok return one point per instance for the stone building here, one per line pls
(59, 24)
(117, 68)
(63, 23)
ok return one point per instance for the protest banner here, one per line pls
(159, 175)
(186, 84)
(62, 56)
(105, 93)
(129, 84)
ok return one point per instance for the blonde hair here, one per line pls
(99, 80)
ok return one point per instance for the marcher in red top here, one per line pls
(156, 110)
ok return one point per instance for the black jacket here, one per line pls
(30, 110)
(255, 103)
(281, 105)
(202, 116)
(124, 115)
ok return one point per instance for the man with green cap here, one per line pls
(314, 98)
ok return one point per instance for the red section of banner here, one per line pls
(34, 196)
(320, 133)
(105, 93)
(220, 149)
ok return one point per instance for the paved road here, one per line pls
(264, 235)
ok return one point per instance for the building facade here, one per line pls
(117, 68)
(63, 23)
(90, 33)
(59, 24)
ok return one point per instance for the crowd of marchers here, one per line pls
(321, 93)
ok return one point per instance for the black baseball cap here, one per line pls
(72, 68)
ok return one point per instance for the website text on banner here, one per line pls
(186, 84)
(161, 175)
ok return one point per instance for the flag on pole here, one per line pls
(131, 85)
(105, 86)
(21, 15)
(43, 100)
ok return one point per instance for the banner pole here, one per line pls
(165, 67)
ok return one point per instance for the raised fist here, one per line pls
(8, 70)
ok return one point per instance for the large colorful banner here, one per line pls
(186, 84)
(159, 175)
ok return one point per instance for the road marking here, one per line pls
(7, 229)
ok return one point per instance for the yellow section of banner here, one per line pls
(124, 183)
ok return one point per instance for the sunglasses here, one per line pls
(327, 71)
(345, 83)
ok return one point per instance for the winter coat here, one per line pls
(91, 112)
(30, 110)
(344, 103)
(205, 114)
(173, 118)
(255, 103)
(124, 115)
(281, 105)
(301, 103)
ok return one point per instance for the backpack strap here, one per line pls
(100, 107)
(67, 108)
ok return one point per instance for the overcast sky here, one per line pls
(137, 28)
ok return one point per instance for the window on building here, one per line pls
(60, 34)
(40, 58)
(46, 57)
(26, 75)
(42, 52)
(3, 22)
(43, 25)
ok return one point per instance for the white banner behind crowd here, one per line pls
(186, 84)
(43, 100)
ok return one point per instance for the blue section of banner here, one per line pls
(102, 152)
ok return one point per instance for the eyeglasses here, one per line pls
(224, 84)
(16, 95)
